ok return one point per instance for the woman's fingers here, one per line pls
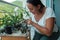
(28, 21)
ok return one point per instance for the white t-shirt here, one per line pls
(48, 14)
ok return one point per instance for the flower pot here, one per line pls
(8, 29)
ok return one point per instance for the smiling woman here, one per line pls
(43, 20)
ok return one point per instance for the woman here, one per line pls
(43, 20)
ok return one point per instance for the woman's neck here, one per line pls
(41, 13)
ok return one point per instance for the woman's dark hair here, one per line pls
(35, 3)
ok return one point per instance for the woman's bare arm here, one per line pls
(47, 30)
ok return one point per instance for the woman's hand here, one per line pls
(29, 21)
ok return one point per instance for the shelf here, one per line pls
(13, 38)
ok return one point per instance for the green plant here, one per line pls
(11, 19)
(16, 21)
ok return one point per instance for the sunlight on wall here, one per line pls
(9, 0)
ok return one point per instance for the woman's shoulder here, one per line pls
(49, 9)
(49, 13)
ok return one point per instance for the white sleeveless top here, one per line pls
(48, 14)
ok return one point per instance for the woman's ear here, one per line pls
(38, 6)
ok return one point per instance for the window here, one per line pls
(9, 9)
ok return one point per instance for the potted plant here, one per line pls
(15, 20)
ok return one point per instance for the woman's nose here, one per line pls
(32, 11)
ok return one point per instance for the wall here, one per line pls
(57, 11)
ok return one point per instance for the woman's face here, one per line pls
(33, 9)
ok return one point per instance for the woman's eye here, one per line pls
(31, 9)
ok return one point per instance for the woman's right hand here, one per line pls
(28, 21)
